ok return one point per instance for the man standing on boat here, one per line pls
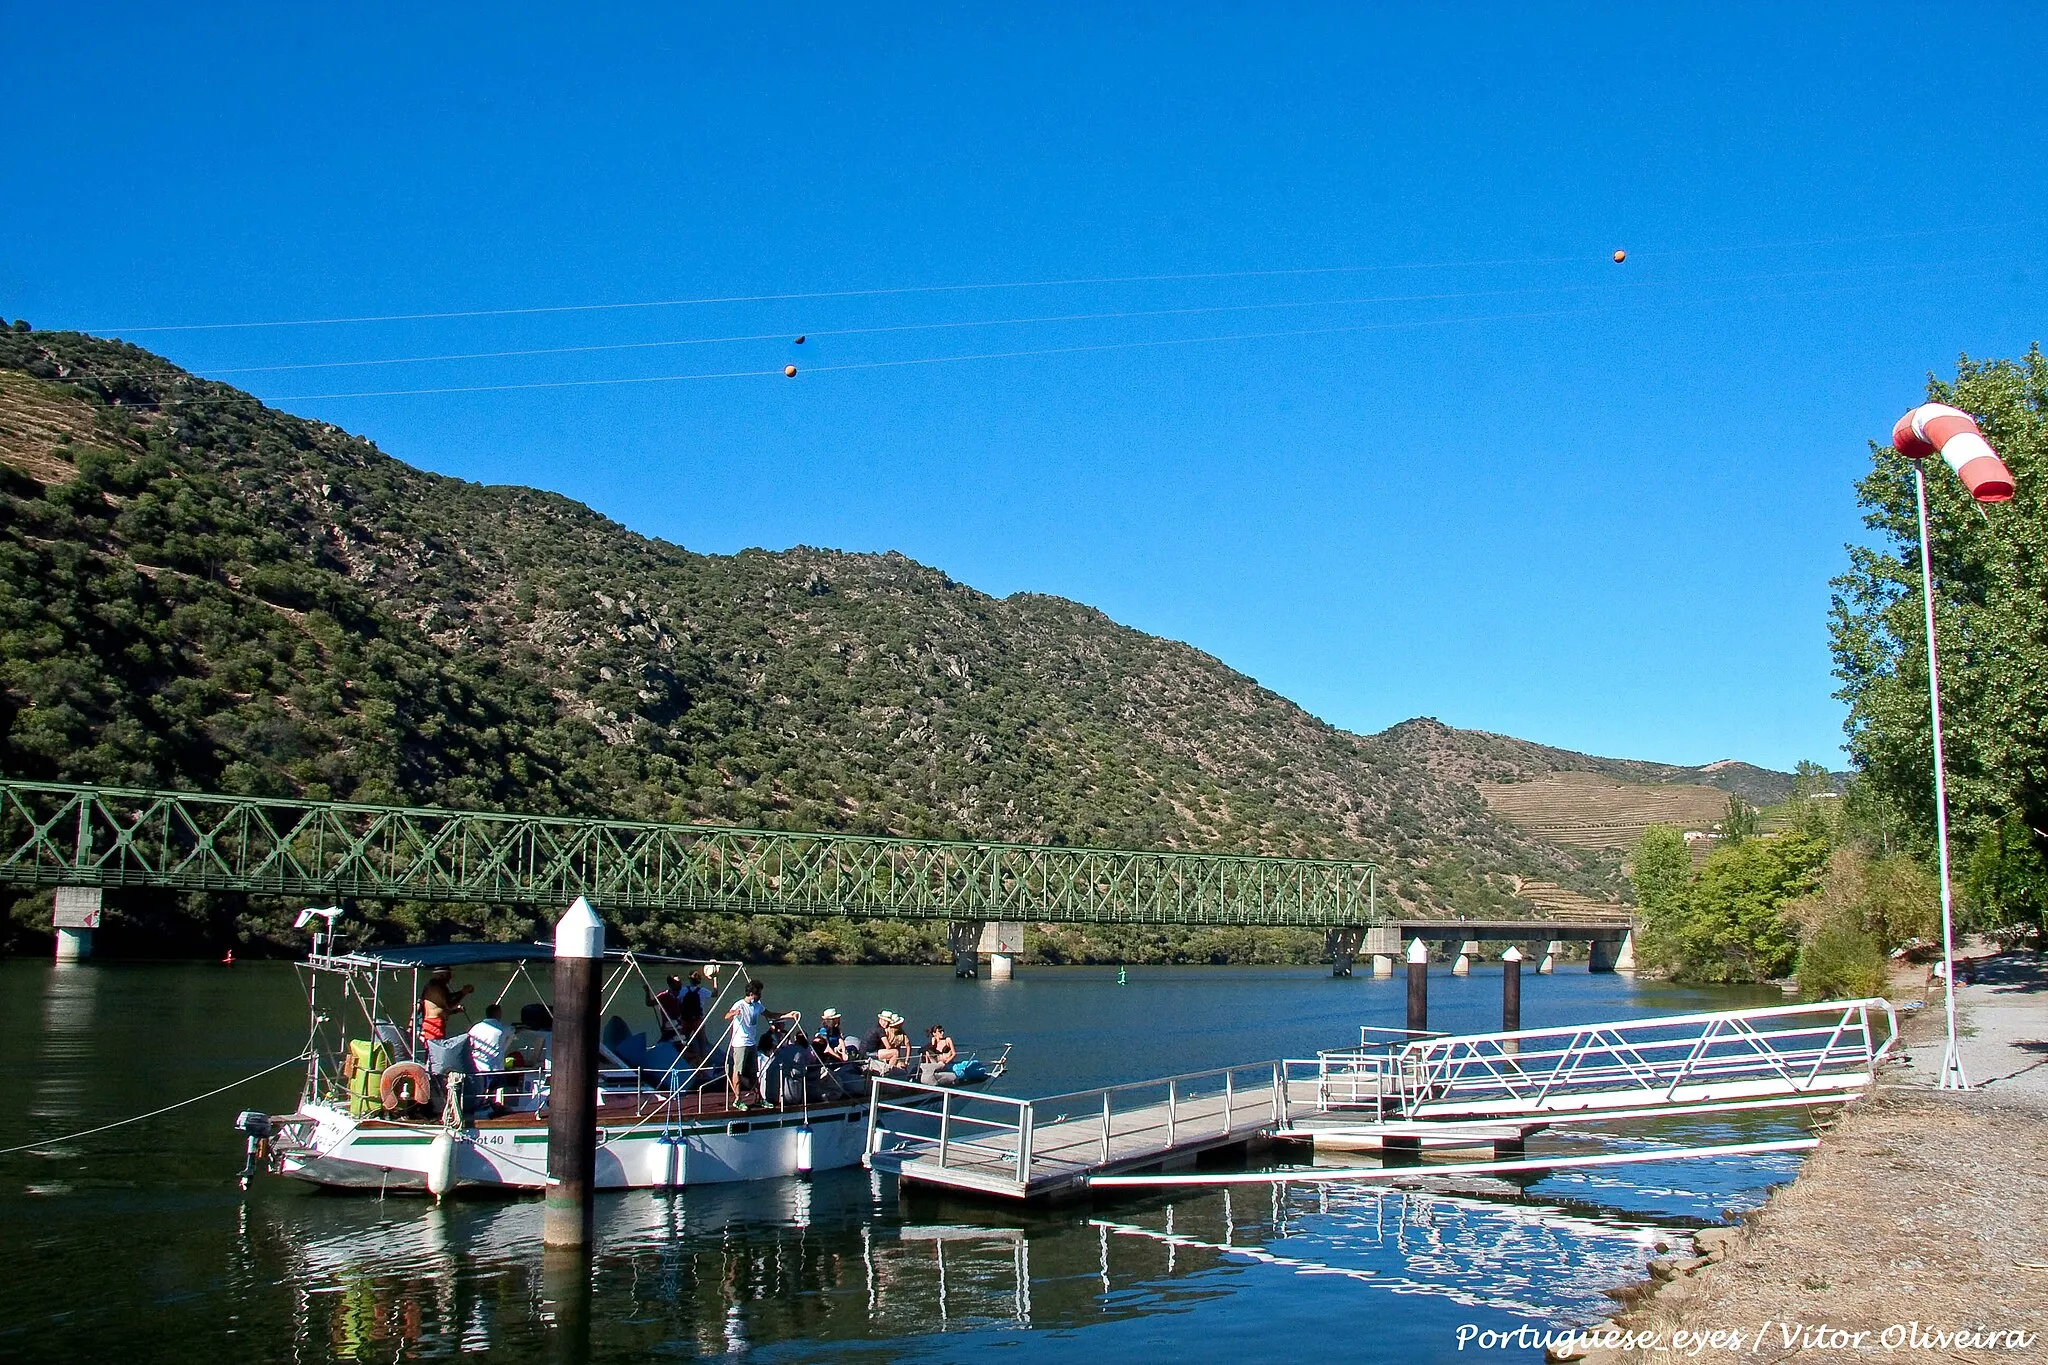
(750, 1019)
(437, 1002)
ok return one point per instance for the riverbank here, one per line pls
(1918, 1214)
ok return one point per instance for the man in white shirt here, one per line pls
(750, 1019)
(488, 1039)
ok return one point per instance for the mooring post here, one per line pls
(1511, 996)
(1418, 987)
(570, 1216)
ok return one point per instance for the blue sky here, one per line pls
(1526, 489)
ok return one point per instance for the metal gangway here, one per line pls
(1000, 1145)
(1813, 1052)
(1389, 1090)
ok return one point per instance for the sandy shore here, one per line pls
(1922, 1213)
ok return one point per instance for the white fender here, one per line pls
(441, 1164)
(803, 1150)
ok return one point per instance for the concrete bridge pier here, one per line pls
(963, 936)
(1467, 951)
(1344, 944)
(1383, 942)
(77, 915)
(1613, 953)
(1002, 943)
(1551, 953)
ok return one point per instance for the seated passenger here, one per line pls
(488, 1040)
(830, 1042)
(938, 1047)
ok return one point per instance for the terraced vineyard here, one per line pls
(1592, 810)
(1557, 902)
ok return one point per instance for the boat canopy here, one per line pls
(452, 954)
(431, 955)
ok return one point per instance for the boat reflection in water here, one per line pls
(724, 1269)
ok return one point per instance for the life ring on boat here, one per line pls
(405, 1084)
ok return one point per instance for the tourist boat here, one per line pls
(383, 1109)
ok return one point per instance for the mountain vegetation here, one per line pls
(198, 591)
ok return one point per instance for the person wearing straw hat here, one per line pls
(875, 1039)
(830, 1040)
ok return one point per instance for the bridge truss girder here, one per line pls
(63, 834)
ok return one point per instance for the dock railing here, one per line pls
(995, 1139)
(1826, 1049)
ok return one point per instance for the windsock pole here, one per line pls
(1937, 428)
(569, 1218)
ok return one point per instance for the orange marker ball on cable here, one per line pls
(1620, 256)
(789, 371)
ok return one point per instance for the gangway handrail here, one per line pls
(1659, 1055)
(1093, 1111)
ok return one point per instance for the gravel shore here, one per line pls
(1922, 1213)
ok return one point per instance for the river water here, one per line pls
(137, 1244)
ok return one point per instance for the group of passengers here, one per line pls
(766, 1045)
(767, 1055)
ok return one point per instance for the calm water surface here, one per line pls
(136, 1244)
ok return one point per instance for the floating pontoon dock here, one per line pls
(1476, 1090)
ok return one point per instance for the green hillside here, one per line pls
(199, 591)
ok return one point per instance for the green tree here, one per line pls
(1733, 923)
(1991, 607)
(1660, 867)
(2004, 880)
(1809, 780)
(1740, 821)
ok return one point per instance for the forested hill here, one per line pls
(199, 591)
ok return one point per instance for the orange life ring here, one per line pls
(412, 1078)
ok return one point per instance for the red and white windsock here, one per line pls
(1935, 427)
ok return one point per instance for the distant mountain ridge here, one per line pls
(199, 591)
(1480, 756)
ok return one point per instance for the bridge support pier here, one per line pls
(1616, 953)
(1002, 942)
(963, 936)
(1344, 944)
(1383, 941)
(1467, 950)
(77, 915)
(1551, 953)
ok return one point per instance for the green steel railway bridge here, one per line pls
(69, 835)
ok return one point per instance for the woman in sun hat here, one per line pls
(830, 1041)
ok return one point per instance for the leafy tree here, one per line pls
(1731, 925)
(1810, 780)
(1660, 867)
(2004, 881)
(1991, 607)
(1740, 822)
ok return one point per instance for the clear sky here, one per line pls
(1524, 488)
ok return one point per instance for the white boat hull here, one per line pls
(352, 1153)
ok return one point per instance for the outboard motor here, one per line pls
(255, 1125)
